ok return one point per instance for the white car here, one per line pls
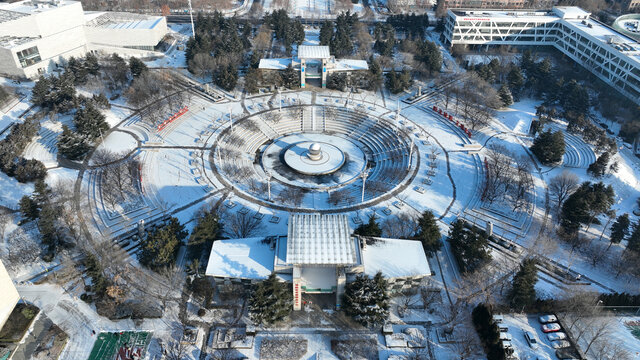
(531, 340)
(556, 336)
(559, 344)
(547, 319)
(551, 327)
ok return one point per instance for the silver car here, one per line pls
(556, 336)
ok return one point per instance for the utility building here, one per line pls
(319, 255)
(607, 53)
(8, 296)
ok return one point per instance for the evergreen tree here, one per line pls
(575, 98)
(270, 301)
(429, 233)
(515, 81)
(28, 208)
(337, 81)
(599, 167)
(290, 78)
(523, 292)
(91, 64)
(72, 145)
(41, 92)
(619, 229)
(549, 147)
(160, 246)
(371, 228)
(470, 247)
(633, 242)
(78, 69)
(367, 300)
(326, 33)
(226, 77)
(136, 66)
(375, 74)
(505, 95)
(90, 122)
(252, 80)
(206, 231)
(585, 204)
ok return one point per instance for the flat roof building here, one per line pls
(319, 255)
(37, 35)
(609, 54)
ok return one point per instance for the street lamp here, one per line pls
(364, 175)
(269, 184)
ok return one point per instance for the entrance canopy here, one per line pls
(313, 52)
(316, 239)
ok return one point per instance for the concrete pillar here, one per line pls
(297, 288)
(341, 282)
(324, 73)
(303, 69)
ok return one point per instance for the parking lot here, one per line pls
(517, 326)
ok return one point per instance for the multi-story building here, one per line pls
(37, 35)
(485, 4)
(605, 52)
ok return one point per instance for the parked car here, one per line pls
(505, 336)
(560, 344)
(551, 327)
(531, 340)
(556, 336)
(547, 319)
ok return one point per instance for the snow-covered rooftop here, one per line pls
(250, 258)
(120, 20)
(395, 258)
(316, 239)
(29, 7)
(313, 52)
(350, 64)
(274, 64)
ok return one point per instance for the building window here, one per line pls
(28, 57)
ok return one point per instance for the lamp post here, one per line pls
(230, 119)
(269, 184)
(364, 175)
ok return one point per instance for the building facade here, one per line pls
(633, 5)
(8, 296)
(485, 4)
(37, 35)
(605, 52)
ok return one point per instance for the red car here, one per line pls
(551, 327)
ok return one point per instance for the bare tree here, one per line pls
(5, 219)
(466, 344)
(241, 225)
(402, 226)
(561, 186)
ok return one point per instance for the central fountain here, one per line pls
(314, 158)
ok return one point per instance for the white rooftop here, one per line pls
(250, 258)
(571, 12)
(315, 239)
(120, 20)
(395, 258)
(274, 64)
(28, 7)
(313, 52)
(350, 64)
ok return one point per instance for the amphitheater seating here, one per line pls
(376, 137)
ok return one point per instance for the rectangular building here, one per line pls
(38, 35)
(605, 52)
